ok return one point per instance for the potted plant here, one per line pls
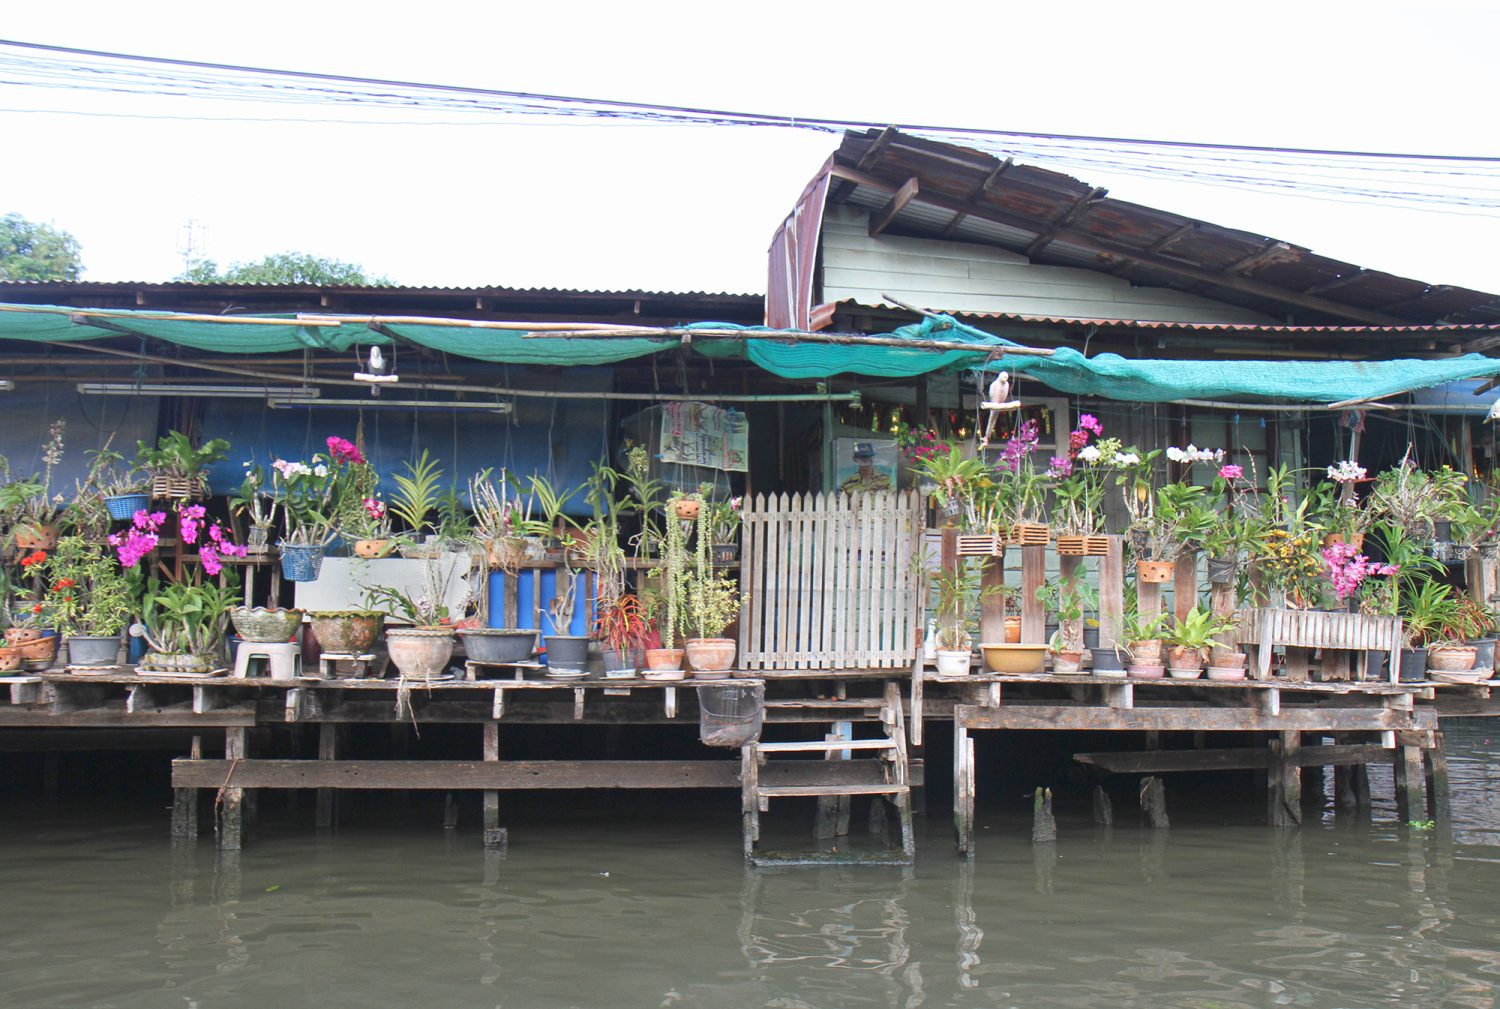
(957, 589)
(724, 525)
(29, 628)
(711, 603)
(1336, 508)
(1191, 638)
(1424, 613)
(952, 474)
(31, 504)
(123, 487)
(1078, 490)
(346, 632)
(1020, 489)
(1417, 500)
(370, 529)
(1451, 651)
(185, 626)
(92, 600)
(1478, 623)
(502, 523)
(1069, 599)
(556, 527)
(620, 627)
(415, 501)
(253, 502)
(1142, 637)
(312, 495)
(667, 604)
(176, 467)
(422, 646)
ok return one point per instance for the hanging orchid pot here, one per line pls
(1221, 570)
(1442, 530)
(951, 507)
(301, 562)
(122, 507)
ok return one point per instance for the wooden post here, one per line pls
(1112, 592)
(1185, 585)
(1284, 780)
(1033, 576)
(450, 811)
(1043, 825)
(1104, 812)
(327, 750)
(1360, 783)
(963, 788)
(1408, 775)
(992, 605)
(1438, 797)
(1154, 802)
(1147, 599)
(231, 797)
(494, 834)
(185, 813)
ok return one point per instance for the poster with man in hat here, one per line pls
(868, 475)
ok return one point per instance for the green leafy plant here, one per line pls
(175, 455)
(417, 495)
(182, 618)
(1069, 599)
(1200, 629)
(1425, 612)
(958, 592)
(90, 593)
(552, 500)
(712, 597)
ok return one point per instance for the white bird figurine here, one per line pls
(377, 361)
(996, 399)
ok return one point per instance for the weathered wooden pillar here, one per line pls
(1439, 800)
(328, 746)
(963, 788)
(1104, 812)
(1154, 802)
(833, 810)
(450, 810)
(1408, 776)
(992, 603)
(1033, 577)
(1185, 585)
(1043, 824)
(1284, 780)
(494, 835)
(1112, 593)
(231, 797)
(184, 813)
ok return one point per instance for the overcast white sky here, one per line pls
(674, 208)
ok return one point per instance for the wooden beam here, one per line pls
(1236, 759)
(1112, 249)
(1180, 719)
(980, 190)
(1336, 282)
(893, 207)
(872, 153)
(1166, 242)
(1066, 218)
(1270, 252)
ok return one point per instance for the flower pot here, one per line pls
(1107, 661)
(1377, 666)
(1442, 530)
(1030, 533)
(567, 652)
(346, 632)
(498, 645)
(710, 655)
(370, 549)
(1090, 637)
(1484, 656)
(1221, 570)
(122, 507)
(301, 562)
(953, 661)
(93, 650)
(1191, 672)
(1155, 572)
(173, 662)
(263, 625)
(1226, 658)
(1413, 665)
(10, 660)
(1014, 659)
(1226, 673)
(181, 488)
(1451, 658)
(664, 664)
(1068, 661)
(39, 653)
(981, 544)
(686, 508)
(1147, 671)
(1012, 630)
(35, 537)
(1145, 653)
(621, 665)
(20, 635)
(1183, 657)
(420, 653)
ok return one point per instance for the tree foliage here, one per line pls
(284, 268)
(32, 251)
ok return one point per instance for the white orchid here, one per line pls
(1090, 453)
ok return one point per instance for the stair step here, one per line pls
(828, 745)
(778, 791)
(833, 702)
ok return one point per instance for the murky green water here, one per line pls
(1214, 912)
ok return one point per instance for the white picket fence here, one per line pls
(831, 581)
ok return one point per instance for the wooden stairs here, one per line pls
(884, 772)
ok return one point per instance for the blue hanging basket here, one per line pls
(122, 507)
(301, 563)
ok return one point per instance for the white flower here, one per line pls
(1090, 453)
(1126, 459)
(1176, 454)
(1347, 471)
(320, 470)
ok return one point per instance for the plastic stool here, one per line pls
(284, 658)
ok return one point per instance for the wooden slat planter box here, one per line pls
(1265, 627)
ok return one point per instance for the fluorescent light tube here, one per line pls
(204, 390)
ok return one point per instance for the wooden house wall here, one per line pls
(964, 277)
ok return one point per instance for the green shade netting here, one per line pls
(1111, 376)
(821, 360)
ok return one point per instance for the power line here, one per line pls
(755, 118)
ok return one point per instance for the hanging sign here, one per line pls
(696, 434)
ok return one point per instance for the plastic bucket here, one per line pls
(730, 714)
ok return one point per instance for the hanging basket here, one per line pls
(1155, 572)
(1030, 534)
(981, 545)
(301, 562)
(1082, 546)
(180, 488)
(122, 507)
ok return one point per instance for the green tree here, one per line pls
(284, 268)
(31, 251)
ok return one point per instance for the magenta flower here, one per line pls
(374, 507)
(343, 450)
(1019, 446)
(1088, 422)
(1060, 466)
(1231, 472)
(190, 520)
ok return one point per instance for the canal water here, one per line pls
(600, 906)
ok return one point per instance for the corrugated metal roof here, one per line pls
(1016, 206)
(105, 286)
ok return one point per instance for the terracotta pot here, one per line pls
(39, 649)
(1068, 661)
(1183, 657)
(420, 653)
(664, 664)
(346, 632)
(10, 660)
(710, 655)
(686, 508)
(1357, 540)
(1012, 630)
(1155, 572)
(1225, 659)
(18, 635)
(1147, 672)
(35, 537)
(1451, 658)
(370, 549)
(1146, 653)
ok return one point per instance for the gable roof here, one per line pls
(923, 188)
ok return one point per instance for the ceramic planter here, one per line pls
(1014, 659)
(710, 655)
(1451, 658)
(569, 652)
(664, 664)
(1145, 653)
(1226, 659)
(371, 549)
(168, 662)
(1147, 671)
(1185, 672)
(21, 635)
(498, 645)
(39, 653)
(420, 653)
(122, 507)
(1484, 656)
(1012, 630)
(1155, 572)
(35, 537)
(346, 632)
(953, 661)
(1223, 673)
(1181, 657)
(301, 562)
(1106, 661)
(1068, 661)
(263, 625)
(93, 650)
(10, 659)
(686, 508)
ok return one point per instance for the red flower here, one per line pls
(38, 557)
(37, 608)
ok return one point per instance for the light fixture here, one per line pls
(282, 403)
(6, 385)
(207, 391)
